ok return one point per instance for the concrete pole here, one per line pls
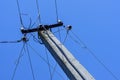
(73, 69)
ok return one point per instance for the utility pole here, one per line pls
(73, 69)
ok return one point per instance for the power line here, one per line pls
(54, 69)
(29, 58)
(58, 31)
(65, 38)
(93, 54)
(39, 18)
(37, 53)
(48, 64)
(59, 34)
(36, 39)
(11, 41)
(34, 23)
(56, 10)
(18, 60)
(30, 20)
(19, 14)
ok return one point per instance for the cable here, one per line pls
(48, 64)
(54, 69)
(30, 20)
(65, 38)
(37, 5)
(33, 75)
(34, 23)
(18, 60)
(36, 39)
(38, 54)
(57, 31)
(11, 41)
(93, 54)
(19, 14)
(30, 23)
(45, 61)
(81, 45)
(39, 17)
(56, 10)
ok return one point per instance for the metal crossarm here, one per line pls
(42, 27)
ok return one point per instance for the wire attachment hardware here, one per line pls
(24, 39)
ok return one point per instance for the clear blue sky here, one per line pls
(96, 22)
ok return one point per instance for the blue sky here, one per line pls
(96, 22)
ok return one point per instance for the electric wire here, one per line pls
(56, 10)
(42, 58)
(27, 50)
(36, 39)
(54, 69)
(58, 31)
(37, 53)
(30, 20)
(17, 63)
(34, 23)
(59, 34)
(11, 41)
(93, 54)
(20, 17)
(48, 64)
(30, 24)
(65, 38)
(39, 17)
(30, 62)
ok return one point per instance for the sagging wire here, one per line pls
(20, 17)
(48, 64)
(37, 53)
(17, 63)
(54, 69)
(35, 39)
(83, 45)
(30, 24)
(39, 17)
(68, 28)
(17, 41)
(42, 58)
(57, 31)
(30, 20)
(65, 38)
(11, 41)
(56, 10)
(34, 23)
(57, 20)
(59, 34)
(30, 61)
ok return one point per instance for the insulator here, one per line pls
(59, 21)
(24, 39)
(69, 27)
